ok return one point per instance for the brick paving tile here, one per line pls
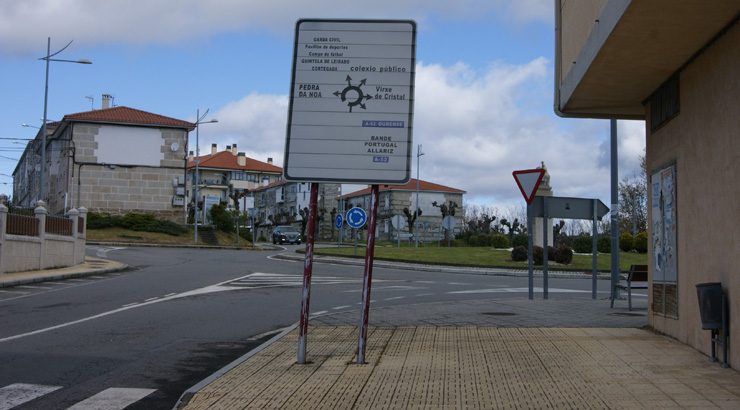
(446, 367)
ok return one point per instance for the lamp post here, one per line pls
(416, 215)
(198, 121)
(47, 58)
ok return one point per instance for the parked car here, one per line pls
(285, 234)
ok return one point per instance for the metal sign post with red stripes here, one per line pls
(307, 272)
(350, 117)
(368, 277)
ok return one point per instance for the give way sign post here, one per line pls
(528, 180)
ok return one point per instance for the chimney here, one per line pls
(106, 101)
(269, 160)
(190, 156)
(233, 149)
(228, 148)
(214, 149)
(241, 159)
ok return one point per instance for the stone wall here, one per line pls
(117, 189)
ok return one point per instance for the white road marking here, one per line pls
(13, 291)
(321, 312)
(102, 252)
(418, 295)
(395, 298)
(16, 394)
(114, 398)
(32, 287)
(170, 294)
(458, 283)
(218, 287)
(396, 287)
(340, 307)
(151, 299)
(518, 290)
(271, 332)
(131, 304)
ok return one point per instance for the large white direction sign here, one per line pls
(351, 102)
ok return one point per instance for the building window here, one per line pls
(665, 103)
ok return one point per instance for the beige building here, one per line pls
(111, 160)
(675, 65)
(394, 198)
(226, 174)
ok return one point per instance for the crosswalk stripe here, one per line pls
(16, 394)
(114, 398)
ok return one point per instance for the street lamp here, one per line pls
(416, 215)
(46, 98)
(198, 121)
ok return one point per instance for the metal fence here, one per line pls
(22, 221)
(58, 225)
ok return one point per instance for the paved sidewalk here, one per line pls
(565, 352)
(434, 367)
(91, 266)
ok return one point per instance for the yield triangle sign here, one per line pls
(528, 181)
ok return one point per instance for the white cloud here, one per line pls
(91, 22)
(476, 127)
(256, 123)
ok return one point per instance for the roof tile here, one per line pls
(227, 160)
(126, 115)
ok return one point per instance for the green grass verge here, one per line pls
(128, 236)
(480, 257)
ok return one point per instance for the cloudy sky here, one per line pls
(484, 81)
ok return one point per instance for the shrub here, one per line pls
(137, 222)
(582, 244)
(538, 256)
(222, 218)
(482, 240)
(520, 240)
(626, 242)
(641, 242)
(134, 221)
(100, 221)
(499, 241)
(519, 253)
(604, 244)
(563, 255)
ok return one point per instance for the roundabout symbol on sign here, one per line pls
(357, 96)
(356, 218)
(338, 221)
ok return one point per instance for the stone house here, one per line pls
(113, 160)
(226, 174)
(285, 203)
(675, 66)
(394, 198)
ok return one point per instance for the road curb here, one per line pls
(62, 276)
(189, 393)
(167, 245)
(447, 269)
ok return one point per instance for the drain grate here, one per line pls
(498, 313)
(627, 314)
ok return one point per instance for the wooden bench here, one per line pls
(637, 278)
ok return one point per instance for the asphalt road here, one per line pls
(178, 315)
